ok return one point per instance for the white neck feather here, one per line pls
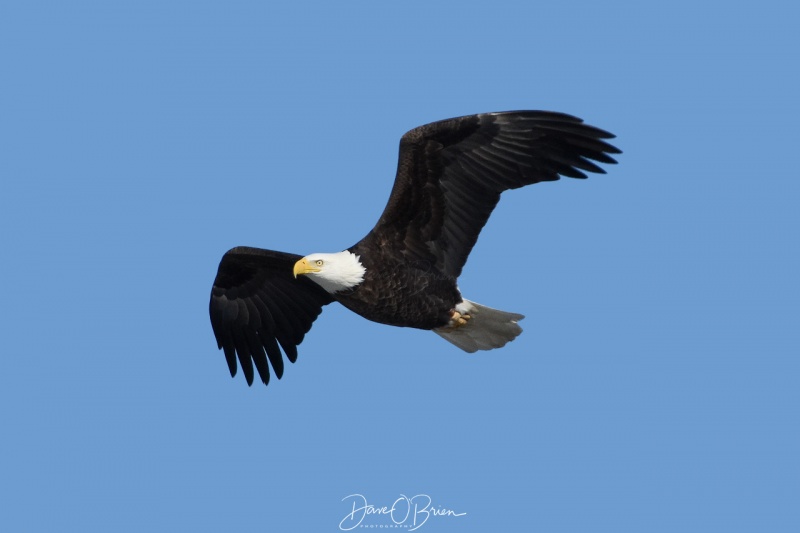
(339, 271)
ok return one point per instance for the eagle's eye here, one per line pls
(318, 262)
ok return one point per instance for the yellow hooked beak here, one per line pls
(302, 267)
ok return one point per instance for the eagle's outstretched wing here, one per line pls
(450, 175)
(257, 305)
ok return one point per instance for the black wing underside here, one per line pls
(257, 307)
(450, 175)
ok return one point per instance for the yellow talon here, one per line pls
(457, 319)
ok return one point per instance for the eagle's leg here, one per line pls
(457, 319)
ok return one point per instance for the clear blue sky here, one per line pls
(655, 387)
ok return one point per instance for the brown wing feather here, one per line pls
(450, 175)
(257, 308)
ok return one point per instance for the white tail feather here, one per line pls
(486, 329)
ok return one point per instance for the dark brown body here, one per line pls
(409, 294)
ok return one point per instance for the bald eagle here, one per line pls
(405, 271)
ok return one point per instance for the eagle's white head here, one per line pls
(333, 272)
